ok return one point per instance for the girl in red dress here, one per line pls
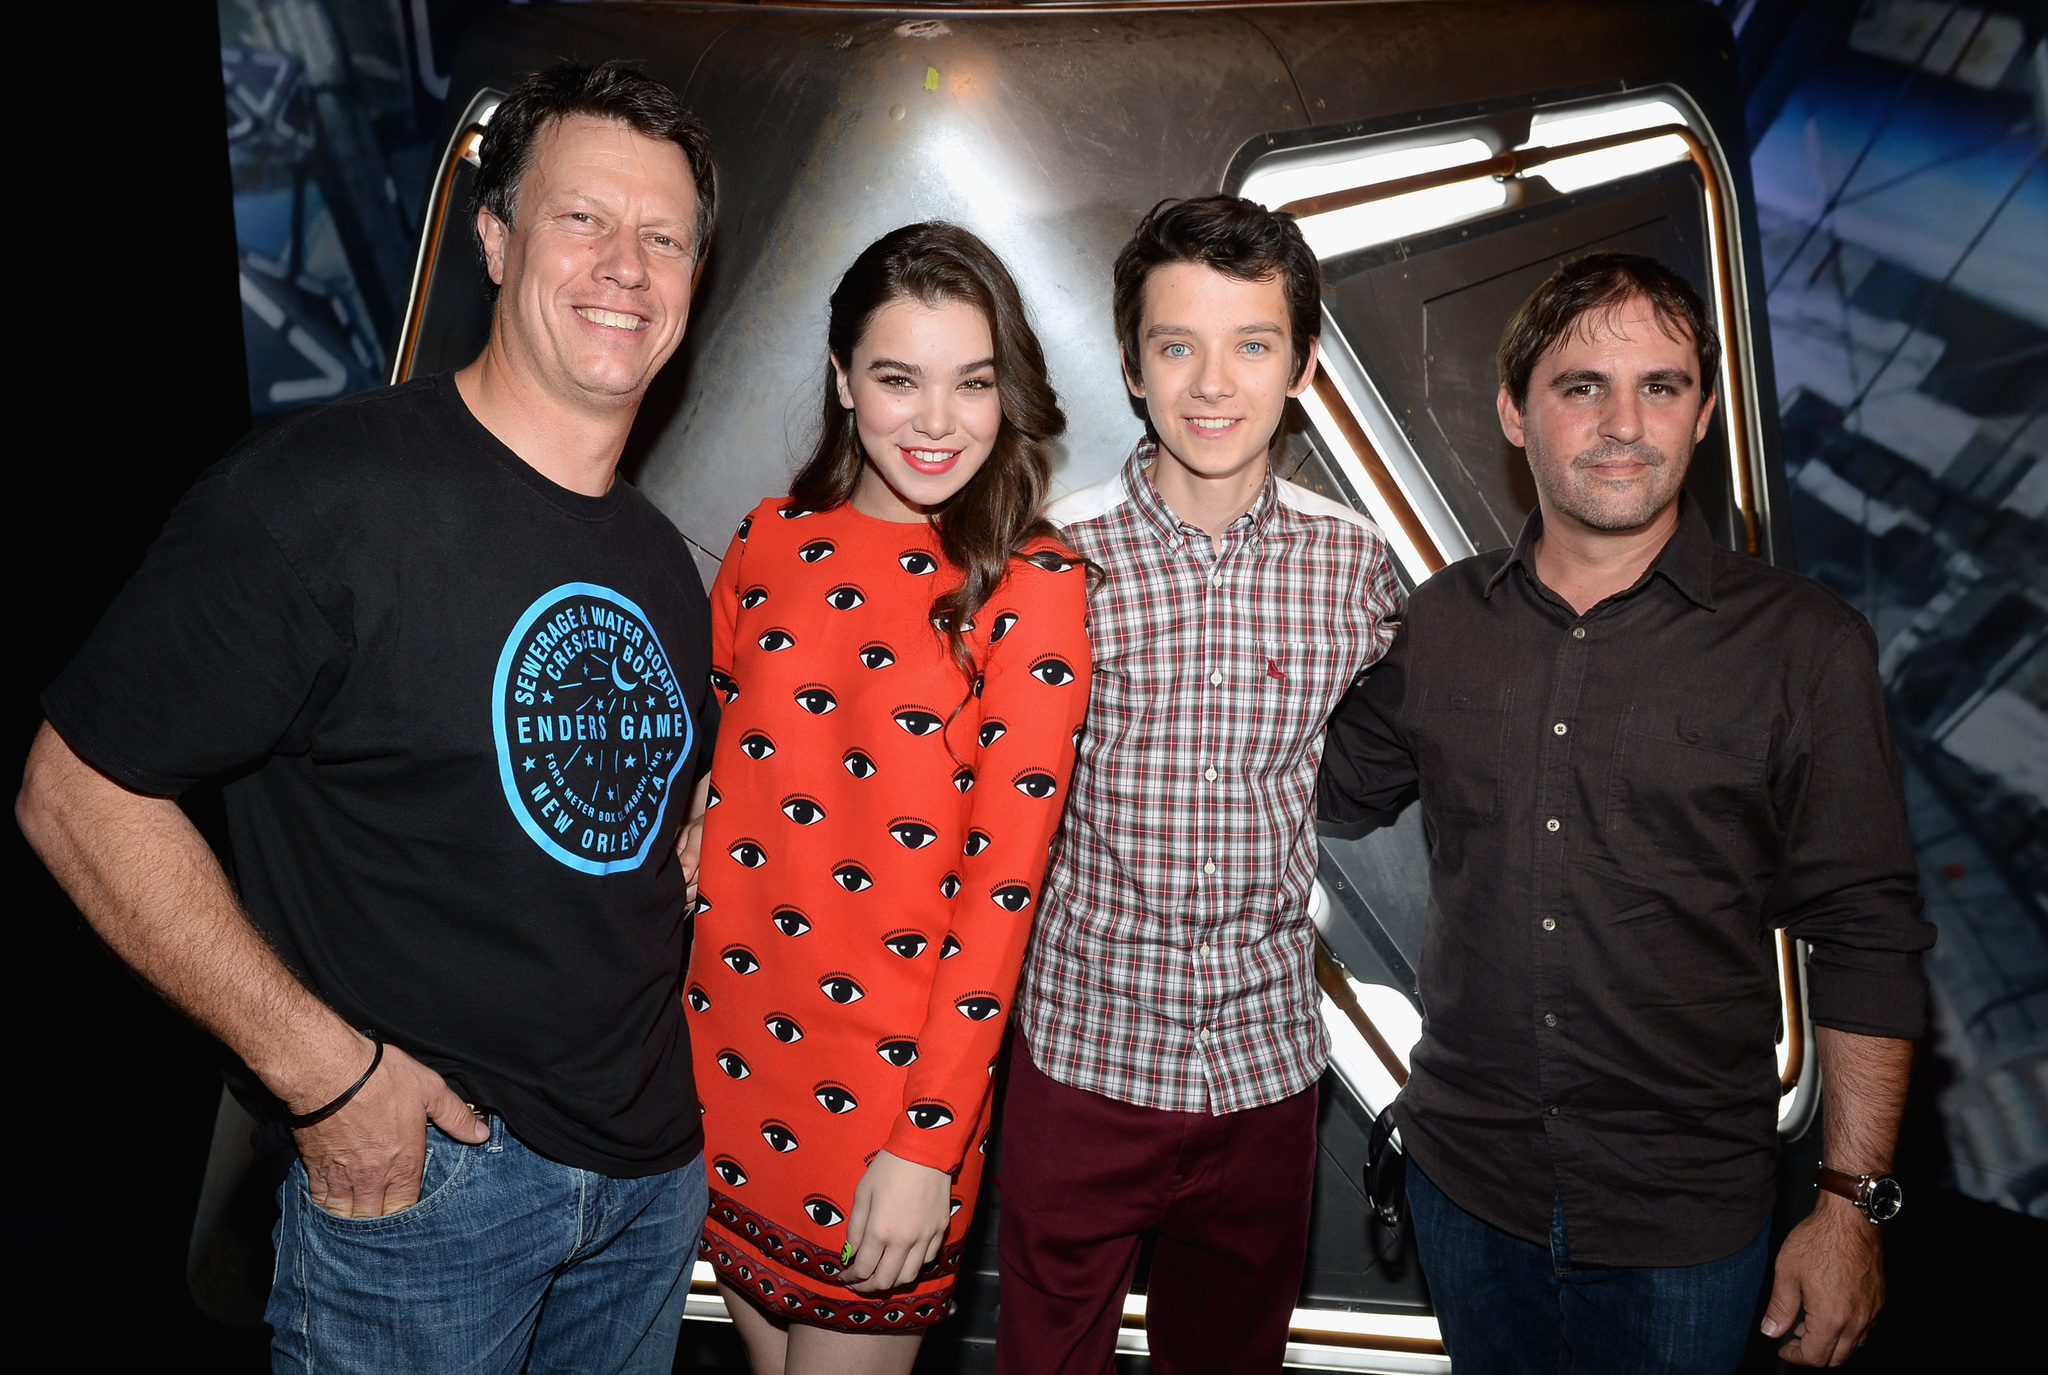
(900, 650)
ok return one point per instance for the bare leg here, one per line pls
(819, 1351)
(767, 1343)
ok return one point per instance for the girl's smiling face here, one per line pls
(922, 388)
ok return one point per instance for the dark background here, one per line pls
(142, 362)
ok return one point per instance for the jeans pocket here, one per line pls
(447, 1165)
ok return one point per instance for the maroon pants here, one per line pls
(1084, 1177)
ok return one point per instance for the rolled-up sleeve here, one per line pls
(1848, 883)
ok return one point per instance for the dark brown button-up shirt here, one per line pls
(1620, 807)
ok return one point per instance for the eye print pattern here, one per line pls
(712, 797)
(930, 1116)
(767, 1032)
(918, 721)
(911, 833)
(1012, 897)
(1037, 783)
(1052, 670)
(900, 1052)
(805, 811)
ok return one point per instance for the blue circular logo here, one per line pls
(591, 727)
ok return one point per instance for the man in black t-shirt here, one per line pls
(455, 673)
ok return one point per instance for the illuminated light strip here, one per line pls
(1376, 487)
(1329, 1338)
(463, 147)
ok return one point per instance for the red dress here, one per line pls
(870, 872)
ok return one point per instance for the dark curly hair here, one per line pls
(1595, 282)
(1237, 237)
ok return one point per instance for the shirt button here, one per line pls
(1215, 580)
(1205, 1036)
(1578, 632)
(1216, 679)
(1210, 867)
(1550, 825)
(1553, 1110)
(1550, 1019)
(1550, 923)
(1209, 774)
(1205, 947)
(1559, 728)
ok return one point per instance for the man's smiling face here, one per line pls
(595, 272)
(1215, 365)
(1614, 411)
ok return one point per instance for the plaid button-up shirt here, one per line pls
(1173, 962)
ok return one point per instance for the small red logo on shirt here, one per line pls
(1273, 670)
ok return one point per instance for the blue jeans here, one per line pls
(1508, 1306)
(509, 1262)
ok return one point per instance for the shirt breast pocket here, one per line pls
(1684, 784)
(1294, 686)
(1460, 739)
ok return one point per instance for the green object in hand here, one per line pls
(846, 1254)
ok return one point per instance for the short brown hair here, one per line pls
(610, 90)
(1237, 237)
(1601, 281)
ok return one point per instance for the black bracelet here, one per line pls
(301, 1120)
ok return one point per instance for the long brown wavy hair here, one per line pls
(997, 514)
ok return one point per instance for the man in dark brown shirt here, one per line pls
(1637, 755)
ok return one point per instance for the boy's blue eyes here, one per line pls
(1177, 350)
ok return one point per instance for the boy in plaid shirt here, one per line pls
(1164, 1078)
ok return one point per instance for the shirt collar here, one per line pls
(1686, 561)
(1170, 528)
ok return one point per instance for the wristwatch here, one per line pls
(1877, 1197)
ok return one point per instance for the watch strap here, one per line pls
(1850, 1186)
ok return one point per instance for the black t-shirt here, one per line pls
(461, 710)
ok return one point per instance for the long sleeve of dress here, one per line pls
(1034, 697)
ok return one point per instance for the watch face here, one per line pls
(1885, 1199)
